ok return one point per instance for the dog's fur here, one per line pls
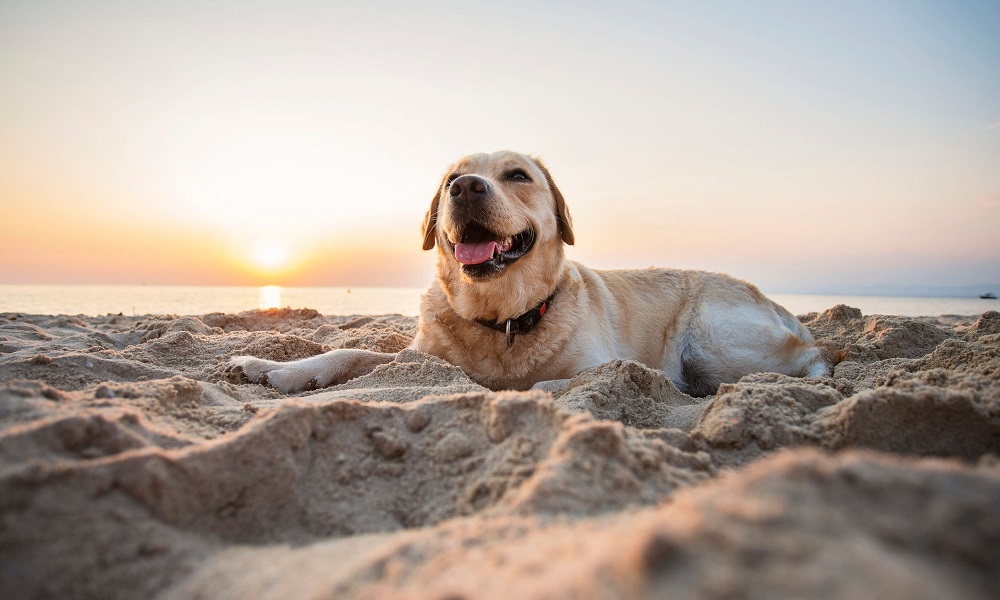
(701, 329)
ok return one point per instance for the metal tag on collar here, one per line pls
(510, 336)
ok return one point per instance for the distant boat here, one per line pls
(988, 296)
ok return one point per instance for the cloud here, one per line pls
(994, 126)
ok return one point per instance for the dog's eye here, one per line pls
(516, 175)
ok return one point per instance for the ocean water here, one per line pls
(180, 300)
(191, 300)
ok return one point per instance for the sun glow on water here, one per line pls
(269, 296)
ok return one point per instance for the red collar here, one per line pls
(519, 325)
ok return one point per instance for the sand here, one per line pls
(132, 465)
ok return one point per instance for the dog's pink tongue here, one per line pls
(475, 254)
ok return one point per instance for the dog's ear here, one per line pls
(562, 211)
(430, 223)
(430, 219)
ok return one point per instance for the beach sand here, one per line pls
(132, 465)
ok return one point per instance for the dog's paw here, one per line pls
(287, 378)
(249, 368)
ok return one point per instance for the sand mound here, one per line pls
(133, 465)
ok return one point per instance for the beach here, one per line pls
(133, 464)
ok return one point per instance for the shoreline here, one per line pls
(195, 300)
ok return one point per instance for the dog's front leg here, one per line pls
(322, 370)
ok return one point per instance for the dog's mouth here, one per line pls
(484, 253)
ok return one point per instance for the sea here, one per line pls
(136, 300)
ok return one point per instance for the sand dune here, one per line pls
(132, 465)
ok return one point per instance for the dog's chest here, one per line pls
(484, 355)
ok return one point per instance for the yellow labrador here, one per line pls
(513, 312)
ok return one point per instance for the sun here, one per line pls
(270, 255)
(268, 258)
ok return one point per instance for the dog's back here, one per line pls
(702, 329)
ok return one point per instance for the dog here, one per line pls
(513, 313)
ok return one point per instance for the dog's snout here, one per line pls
(469, 187)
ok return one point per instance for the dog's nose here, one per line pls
(469, 187)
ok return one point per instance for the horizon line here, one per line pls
(891, 290)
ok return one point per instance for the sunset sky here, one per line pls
(805, 146)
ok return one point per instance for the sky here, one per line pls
(809, 147)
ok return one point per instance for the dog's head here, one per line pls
(499, 223)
